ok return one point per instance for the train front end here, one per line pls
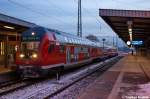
(28, 56)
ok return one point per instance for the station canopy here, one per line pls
(126, 22)
(8, 23)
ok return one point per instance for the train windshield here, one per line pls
(30, 46)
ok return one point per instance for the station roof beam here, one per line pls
(119, 21)
(8, 23)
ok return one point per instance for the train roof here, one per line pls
(62, 37)
(73, 39)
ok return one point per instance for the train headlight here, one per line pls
(34, 55)
(22, 55)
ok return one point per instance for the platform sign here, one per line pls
(137, 42)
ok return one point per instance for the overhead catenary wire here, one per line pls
(97, 20)
(38, 12)
(85, 9)
(61, 10)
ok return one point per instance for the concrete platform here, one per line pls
(128, 79)
(7, 74)
(4, 70)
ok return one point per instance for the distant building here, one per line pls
(114, 41)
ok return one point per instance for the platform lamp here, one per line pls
(129, 23)
(128, 43)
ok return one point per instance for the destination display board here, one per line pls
(30, 38)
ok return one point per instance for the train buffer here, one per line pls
(126, 79)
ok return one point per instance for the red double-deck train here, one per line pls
(42, 50)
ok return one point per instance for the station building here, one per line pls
(10, 30)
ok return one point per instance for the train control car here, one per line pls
(110, 51)
(42, 50)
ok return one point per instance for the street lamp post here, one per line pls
(103, 42)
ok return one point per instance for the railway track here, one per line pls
(104, 66)
(14, 85)
(50, 87)
(9, 82)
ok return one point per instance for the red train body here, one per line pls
(43, 49)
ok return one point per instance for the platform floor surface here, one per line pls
(127, 79)
(5, 70)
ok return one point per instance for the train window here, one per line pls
(62, 48)
(51, 47)
(66, 39)
(81, 48)
(86, 55)
(72, 40)
(84, 50)
(30, 45)
(76, 41)
(79, 42)
(69, 41)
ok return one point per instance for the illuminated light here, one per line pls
(128, 43)
(22, 55)
(1, 49)
(9, 27)
(137, 42)
(66, 39)
(16, 47)
(57, 43)
(130, 37)
(130, 30)
(34, 55)
(3, 46)
(130, 34)
(33, 33)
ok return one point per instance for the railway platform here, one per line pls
(4, 70)
(127, 79)
(7, 74)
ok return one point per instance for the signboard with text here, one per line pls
(137, 42)
(30, 38)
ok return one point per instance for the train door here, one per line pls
(76, 52)
(68, 56)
